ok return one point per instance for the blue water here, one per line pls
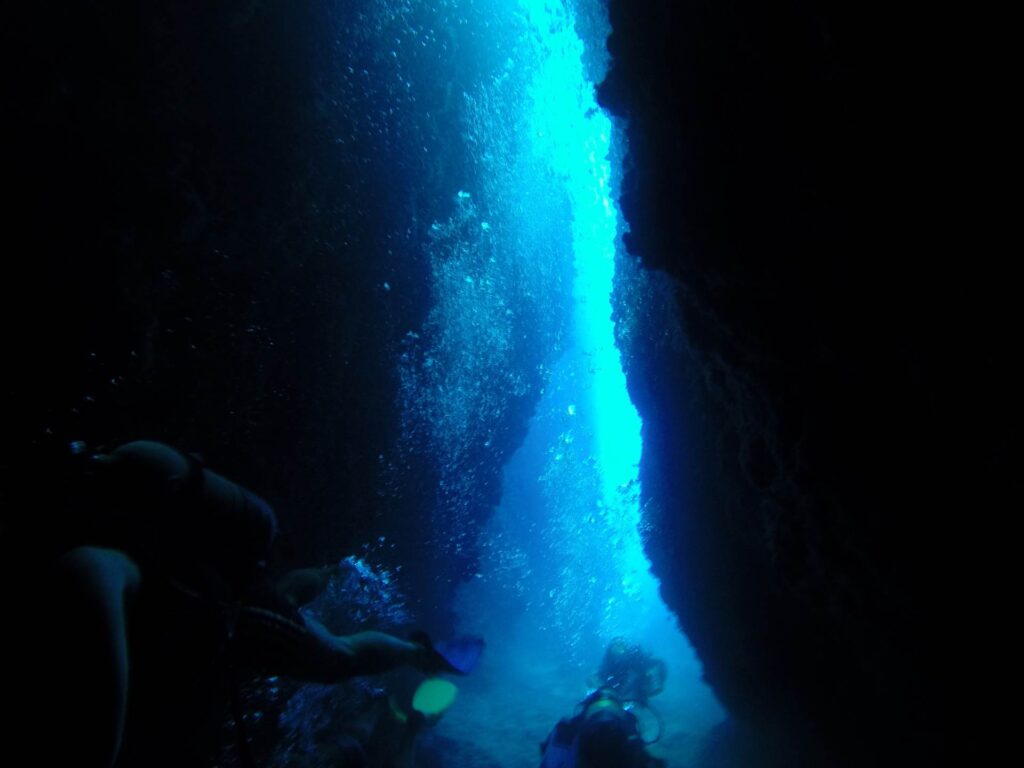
(521, 269)
(564, 570)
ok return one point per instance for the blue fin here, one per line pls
(463, 653)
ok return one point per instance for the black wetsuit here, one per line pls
(603, 734)
(200, 543)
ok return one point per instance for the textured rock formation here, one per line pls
(222, 231)
(821, 365)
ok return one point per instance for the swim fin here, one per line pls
(463, 653)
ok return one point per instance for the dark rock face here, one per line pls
(209, 243)
(216, 236)
(821, 370)
(188, 244)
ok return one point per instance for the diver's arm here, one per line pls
(370, 653)
(308, 651)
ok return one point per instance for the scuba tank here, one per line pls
(561, 749)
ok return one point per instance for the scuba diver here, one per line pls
(604, 731)
(630, 672)
(148, 590)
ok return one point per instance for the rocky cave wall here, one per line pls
(818, 354)
(217, 236)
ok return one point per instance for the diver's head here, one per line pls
(609, 737)
(604, 698)
(619, 646)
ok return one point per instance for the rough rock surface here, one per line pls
(819, 363)
(215, 240)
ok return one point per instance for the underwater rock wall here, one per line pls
(224, 222)
(818, 365)
(198, 267)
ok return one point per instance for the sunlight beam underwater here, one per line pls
(573, 135)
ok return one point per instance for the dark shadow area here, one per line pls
(835, 398)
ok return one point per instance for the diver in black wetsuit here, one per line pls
(605, 732)
(154, 591)
(631, 672)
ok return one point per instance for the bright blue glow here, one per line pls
(521, 265)
(564, 569)
(573, 135)
(488, 102)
